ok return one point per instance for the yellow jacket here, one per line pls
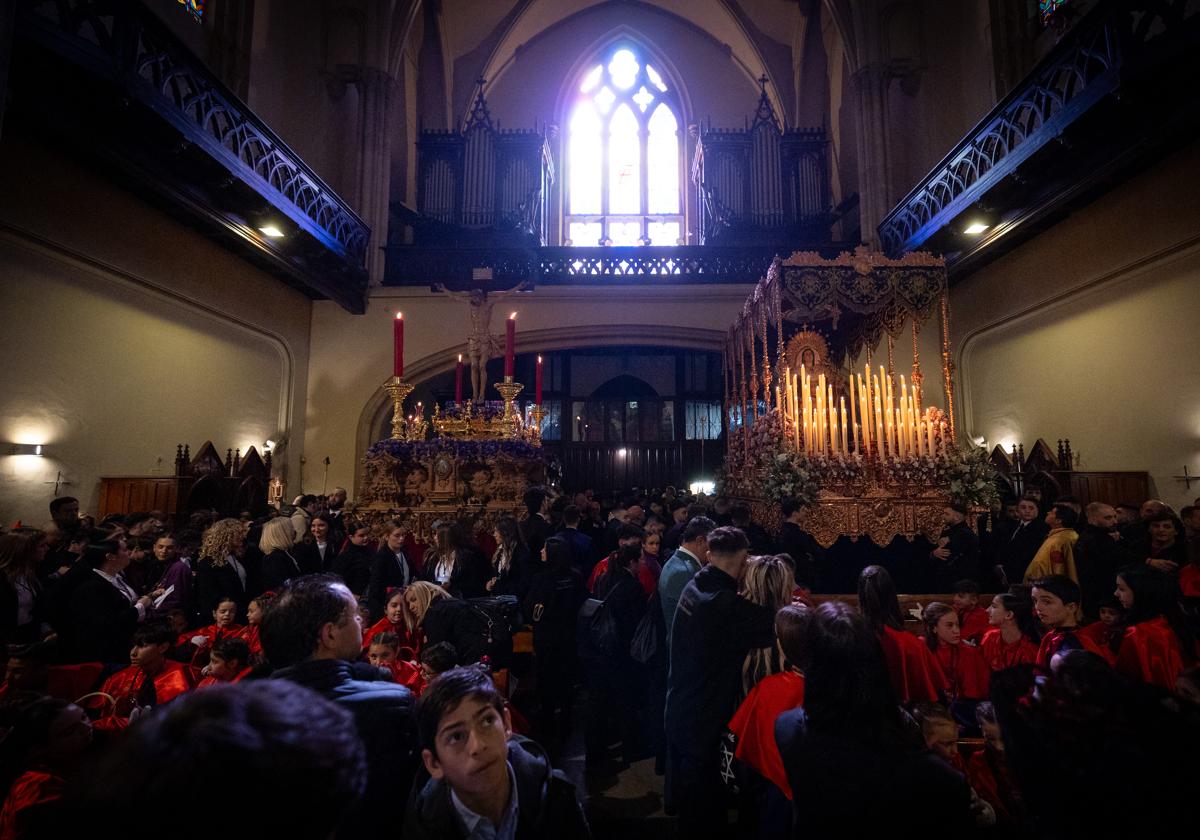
(1056, 556)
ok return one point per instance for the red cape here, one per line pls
(408, 675)
(385, 626)
(965, 669)
(915, 673)
(1189, 581)
(754, 724)
(31, 788)
(998, 655)
(973, 622)
(251, 634)
(988, 775)
(1151, 652)
(174, 679)
(1072, 638)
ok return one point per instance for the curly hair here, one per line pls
(220, 538)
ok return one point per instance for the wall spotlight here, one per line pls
(37, 449)
(975, 228)
(272, 231)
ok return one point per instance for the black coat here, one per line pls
(805, 552)
(516, 578)
(547, 804)
(1098, 558)
(312, 560)
(845, 788)
(215, 582)
(279, 567)
(963, 562)
(100, 623)
(626, 601)
(469, 578)
(383, 713)
(551, 605)
(1016, 544)
(713, 630)
(535, 530)
(388, 571)
(354, 567)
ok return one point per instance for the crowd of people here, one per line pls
(150, 661)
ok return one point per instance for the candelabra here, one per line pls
(509, 391)
(399, 390)
(534, 430)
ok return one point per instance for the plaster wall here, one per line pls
(1088, 332)
(128, 333)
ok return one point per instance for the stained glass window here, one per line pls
(194, 7)
(623, 155)
(1049, 8)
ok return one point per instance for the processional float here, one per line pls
(812, 416)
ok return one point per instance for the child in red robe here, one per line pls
(392, 622)
(151, 680)
(966, 672)
(972, 619)
(1105, 633)
(1157, 645)
(1057, 601)
(915, 674)
(254, 617)
(988, 774)
(44, 739)
(384, 652)
(200, 641)
(228, 662)
(1009, 642)
(754, 722)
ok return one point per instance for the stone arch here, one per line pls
(533, 341)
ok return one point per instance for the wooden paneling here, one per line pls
(128, 494)
(1111, 487)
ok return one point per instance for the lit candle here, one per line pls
(833, 421)
(853, 412)
(845, 446)
(920, 439)
(880, 448)
(510, 346)
(902, 425)
(866, 418)
(929, 431)
(537, 388)
(458, 371)
(398, 346)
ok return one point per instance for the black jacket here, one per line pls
(99, 624)
(805, 552)
(1015, 546)
(546, 801)
(312, 560)
(963, 561)
(626, 601)
(1098, 558)
(215, 582)
(516, 578)
(846, 788)
(353, 566)
(713, 630)
(535, 530)
(278, 567)
(469, 578)
(551, 606)
(388, 570)
(383, 714)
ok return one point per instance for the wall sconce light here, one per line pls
(271, 231)
(268, 445)
(975, 228)
(25, 449)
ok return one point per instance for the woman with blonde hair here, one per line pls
(769, 581)
(221, 572)
(279, 565)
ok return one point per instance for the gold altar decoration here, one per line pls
(399, 390)
(880, 455)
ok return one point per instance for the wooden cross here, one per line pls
(58, 479)
(1186, 479)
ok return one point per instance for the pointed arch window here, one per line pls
(623, 155)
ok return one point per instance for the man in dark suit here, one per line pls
(535, 527)
(798, 544)
(583, 555)
(104, 611)
(1019, 541)
(957, 554)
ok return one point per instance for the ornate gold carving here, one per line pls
(399, 390)
(810, 348)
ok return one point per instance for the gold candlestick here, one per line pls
(535, 432)
(508, 391)
(398, 390)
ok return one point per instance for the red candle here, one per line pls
(537, 391)
(398, 336)
(510, 346)
(458, 381)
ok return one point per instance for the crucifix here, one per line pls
(59, 480)
(1186, 479)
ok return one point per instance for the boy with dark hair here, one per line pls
(972, 618)
(1057, 602)
(479, 771)
(151, 680)
(228, 662)
(437, 659)
(384, 652)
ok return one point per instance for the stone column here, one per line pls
(874, 173)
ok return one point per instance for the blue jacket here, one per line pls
(676, 572)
